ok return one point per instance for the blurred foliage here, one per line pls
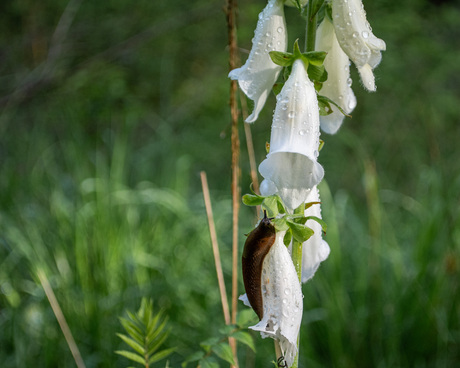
(108, 112)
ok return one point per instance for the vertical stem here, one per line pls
(233, 59)
(215, 248)
(310, 37)
(297, 260)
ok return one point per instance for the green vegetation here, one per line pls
(104, 129)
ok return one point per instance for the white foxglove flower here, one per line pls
(282, 300)
(292, 163)
(314, 250)
(356, 38)
(258, 75)
(337, 87)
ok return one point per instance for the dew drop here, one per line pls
(287, 291)
(284, 300)
(365, 34)
(349, 82)
(355, 34)
(291, 114)
(268, 34)
(302, 132)
(280, 30)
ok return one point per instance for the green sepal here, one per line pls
(321, 145)
(319, 221)
(325, 102)
(317, 73)
(252, 199)
(277, 87)
(324, 106)
(315, 57)
(282, 58)
(309, 204)
(300, 232)
(287, 237)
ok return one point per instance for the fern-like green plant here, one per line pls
(146, 332)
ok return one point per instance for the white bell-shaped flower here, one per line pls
(315, 250)
(337, 87)
(292, 163)
(356, 38)
(258, 75)
(282, 300)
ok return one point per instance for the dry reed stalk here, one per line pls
(61, 319)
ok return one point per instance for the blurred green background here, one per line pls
(109, 110)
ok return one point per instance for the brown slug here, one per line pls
(256, 247)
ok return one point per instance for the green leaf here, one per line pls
(161, 355)
(208, 362)
(327, 101)
(133, 331)
(300, 232)
(287, 238)
(270, 204)
(252, 199)
(315, 57)
(280, 224)
(324, 107)
(132, 356)
(227, 330)
(208, 343)
(135, 345)
(246, 317)
(153, 345)
(224, 351)
(282, 58)
(245, 338)
(319, 221)
(193, 358)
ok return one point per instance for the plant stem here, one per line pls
(310, 37)
(297, 260)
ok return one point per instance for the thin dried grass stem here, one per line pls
(215, 248)
(61, 319)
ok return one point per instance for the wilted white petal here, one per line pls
(258, 75)
(282, 300)
(356, 38)
(314, 250)
(338, 84)
(292, 161)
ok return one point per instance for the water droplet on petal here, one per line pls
(302, 132)
(291, 114)
(287, 291)
(365, 34)
(280, 29)
(349, 82)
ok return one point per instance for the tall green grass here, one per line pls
(99, 189)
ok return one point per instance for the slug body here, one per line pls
(256, 247)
